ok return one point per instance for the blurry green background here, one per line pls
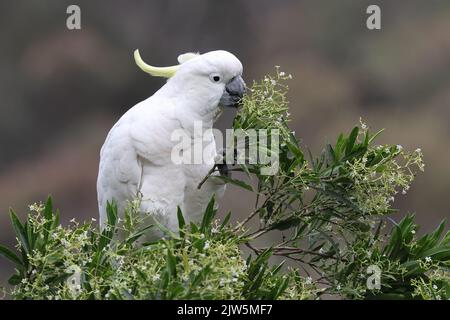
(61, 91)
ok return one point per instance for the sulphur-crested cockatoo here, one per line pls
(137, 156)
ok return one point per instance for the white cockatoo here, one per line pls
(136, 158)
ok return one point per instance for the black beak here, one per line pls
(233, 93)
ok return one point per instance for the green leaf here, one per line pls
(15, 280)
(209, 215)
(181, 221)
(135, 236)
(48, 210)
(340, 145)
(225, 220)
(375, 136)
(8, 254)
(55, 222)
(48, 215)
(245, 169)
(20, 231)
(296, 151)
(194, 227)
(200, 276)
(111, 212)
(236, 182)
(279, 288)
(165, 230)
(286, 223)
(171, 263)
(438, 253)
(436, 234)
(351, 141)
(331, 155)
(277, 268)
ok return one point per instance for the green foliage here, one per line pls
(332, 215)
(333, 208)
(200, 262)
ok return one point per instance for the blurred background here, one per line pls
(61, 90)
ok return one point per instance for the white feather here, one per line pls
(136, 156)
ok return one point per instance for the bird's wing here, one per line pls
(119, 170)
(136, 151)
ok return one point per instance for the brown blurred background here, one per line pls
(62, 90)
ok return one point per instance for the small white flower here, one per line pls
(404, 191)
(93, 219)
(34, 207)
(207, 245)
(418, 150)
(72, 220)
(282, 74)
(214, 230)
(399, 147)
(273, 82)
(338, 287)
(435, 287)
(413, 231)
(308, 280)
(428, 259)
(156, 277)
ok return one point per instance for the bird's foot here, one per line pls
(223, 169)
(221, 164)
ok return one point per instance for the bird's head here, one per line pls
(215, 75)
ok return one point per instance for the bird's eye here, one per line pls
(215, 77)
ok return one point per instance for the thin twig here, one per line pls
(210, 172)
(247, 219)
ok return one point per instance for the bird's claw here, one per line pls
(221, 164)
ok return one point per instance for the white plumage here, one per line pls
(136, 156)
